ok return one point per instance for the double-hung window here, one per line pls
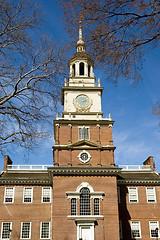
(25, 230)
(9, 195)
(135, 229)
(133, 194)
(151, 195)
(27, 194)
(46, 194)
(45, 230)
(96, 206)
(154, 229)
(6, 230)
(73, 206)
(83, 133)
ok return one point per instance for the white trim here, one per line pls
(12, 195)
(2, 230)
(88, 156)
(153, 194)
(84, 185)
(29, 230)
(81, 226)
(41, 230)
(77, 195)
(85, 217)
(31, 194)
(49, 194)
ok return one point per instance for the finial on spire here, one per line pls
(80, 44)
(80, 30)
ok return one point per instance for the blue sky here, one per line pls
(136, 133)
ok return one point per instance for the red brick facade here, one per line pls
(84, 195)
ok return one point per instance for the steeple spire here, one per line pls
(80, 30)
(80, 43)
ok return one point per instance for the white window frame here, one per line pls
(150, 228)
(135, 227)
(29, 230)
(41, 230)
(12, 196)
(31, 194)
(43, 194)
(151, 197)
(133, 197)
(83, 127)
(2, 230)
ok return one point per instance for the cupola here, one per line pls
(81, 64)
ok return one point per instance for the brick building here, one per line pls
(84, 195)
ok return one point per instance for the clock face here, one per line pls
(82, 102)
(84, 156)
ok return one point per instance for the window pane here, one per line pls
(151, 197)
(80, 133)
(86, 133)
(9, 194)
(154, 229)
(46, 194)
(25, 230)
(6, 230)
(83, 133)
(135, 229)
(45, 230)
(27, 194)
(85, 208)
(133, 194)
(73, 206)
(96, 206)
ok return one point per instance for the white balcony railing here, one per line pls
(135, 167)
(28, 167)
(44, 167)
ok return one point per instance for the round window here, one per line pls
(84, 156)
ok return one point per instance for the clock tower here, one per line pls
(82, 127)
(84, 172)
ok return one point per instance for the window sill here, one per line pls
(85, 217)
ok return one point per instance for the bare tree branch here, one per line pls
(117, 33)
(30, 73)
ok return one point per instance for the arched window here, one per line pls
(81, 68)
(85, 201)
(85, 204)
(73, 70)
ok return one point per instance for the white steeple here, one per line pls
(81, 94)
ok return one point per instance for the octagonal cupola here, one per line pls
(80, 64)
